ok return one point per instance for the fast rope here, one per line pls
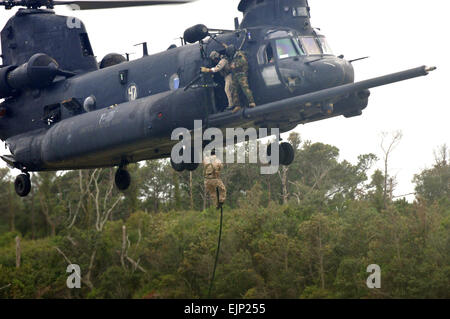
(218, 245)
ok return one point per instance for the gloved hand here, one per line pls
(205, 70)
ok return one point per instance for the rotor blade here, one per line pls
(91, 5)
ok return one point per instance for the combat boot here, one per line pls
(236, 109)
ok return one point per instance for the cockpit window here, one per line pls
(326, 49)
(300, 12)
(310, 45)
(286, 48)
(276, 34)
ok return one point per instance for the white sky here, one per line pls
(397, 35)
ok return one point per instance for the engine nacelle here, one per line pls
(196, 33)
(5, 89)
(112, 59)
(38, 73)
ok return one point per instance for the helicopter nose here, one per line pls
(331, 72)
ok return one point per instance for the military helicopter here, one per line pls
(63, 110)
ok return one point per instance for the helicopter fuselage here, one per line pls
(139, 103)
(79, 116)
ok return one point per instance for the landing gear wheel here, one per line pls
(22, 185)
(122, 179)
(269, 152)
(287, 154)
(177, 167)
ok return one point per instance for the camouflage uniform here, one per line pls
(211, 170)
(239, 67)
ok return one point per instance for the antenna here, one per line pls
(144, 48)
(128, 55)
(359, 59)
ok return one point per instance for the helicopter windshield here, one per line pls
(310, 45)
(287, 48)
(315, 46)
(326, 49)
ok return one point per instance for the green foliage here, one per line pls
(42, 273)
(434, 184)
(308, 232)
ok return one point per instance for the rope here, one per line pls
(218, 245)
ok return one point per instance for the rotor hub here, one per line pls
(30, 4)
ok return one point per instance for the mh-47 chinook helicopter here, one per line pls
(63, 110)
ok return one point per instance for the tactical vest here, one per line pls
(212, 170)
(240, 63)
(226, 70)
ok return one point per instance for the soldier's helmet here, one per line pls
(214, 55)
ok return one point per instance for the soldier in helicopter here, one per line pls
(222, 66)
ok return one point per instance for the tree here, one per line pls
(50, 199)
(157, 185)
(294, 139)
(387, 148)
(376, 189)
(319, 177)
(318, 236)
(434, 184)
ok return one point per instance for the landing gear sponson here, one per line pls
(122, 179)
(185, 166)
(287, 155)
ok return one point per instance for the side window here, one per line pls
(86, 45)
(300, 12)
(270, 76)
(269, 54)
(266, 54)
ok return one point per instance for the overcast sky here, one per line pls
(397, 35)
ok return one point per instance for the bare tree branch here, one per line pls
(395, 139)
(4, 287)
